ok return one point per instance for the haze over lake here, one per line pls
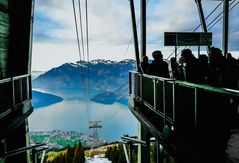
(71, 115)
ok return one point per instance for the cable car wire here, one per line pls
(79, 51)
(222, 16)
(81, 30)
(88, 52)
(209, 28)
(131, 39)
(198, 26)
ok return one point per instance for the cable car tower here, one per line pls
(95, 125)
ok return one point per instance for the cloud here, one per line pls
(108, 20)
(45, 27)
(110, 26)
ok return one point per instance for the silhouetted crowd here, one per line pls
(215, 69)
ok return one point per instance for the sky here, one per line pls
(110, 29)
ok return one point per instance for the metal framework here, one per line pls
(135, 36)
(130, 141)
(225, 26)
(181, 114)
(95, 125)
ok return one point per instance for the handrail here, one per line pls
(194, 85)
(15, 90)
(21, 76)
(23, 149)
(2, 81)
(210, 88)
(133, 140)
(5, 80)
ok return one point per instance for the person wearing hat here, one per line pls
(158, 67)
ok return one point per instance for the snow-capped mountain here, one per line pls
(102, 75)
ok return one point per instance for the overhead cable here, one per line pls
(131, 39)
(198, 26)
(79, 51)
(88, 52)
(220, 14)
(81, 30)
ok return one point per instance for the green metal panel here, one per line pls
(184, 107)
(159, 88)
(169, 99)
(214, 109)
(138, 78)
(214, 120)
(209, 88)
(148, 90)
(4, 37)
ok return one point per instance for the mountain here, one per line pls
(40, 99)
(119, 95)
(104, 76)
(35, 74)
(108, 78)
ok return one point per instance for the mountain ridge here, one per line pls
(105, 76)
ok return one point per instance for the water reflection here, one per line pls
(71, 115)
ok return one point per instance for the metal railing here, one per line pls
(13, 92)
(184, 104)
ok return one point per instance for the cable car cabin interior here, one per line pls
(193, 121)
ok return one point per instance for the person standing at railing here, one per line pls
(158, 67)
(232, 72)
(144, 65)
(190, 66)
(203, 68)
(216, 68)
(176, 72)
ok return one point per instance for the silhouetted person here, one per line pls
(190, 66)
(232, 72)
(216, 68)
(176, 72)
(203, 68)
(158, 67)
(145, 64)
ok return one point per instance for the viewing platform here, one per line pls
(191, 121)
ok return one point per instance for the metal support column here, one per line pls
(126, 154)
(143, 151)
(202, 18)
(143, 27)
(134, 28)
(225, 26)
(201, 15)
(130, 152)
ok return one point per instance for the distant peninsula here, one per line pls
(107, 98)
(44, 99)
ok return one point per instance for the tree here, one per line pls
(68, 158)
(81, 153)
(76, 155)
(122, 158)
(108, 153)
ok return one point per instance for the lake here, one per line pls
(71, 115)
